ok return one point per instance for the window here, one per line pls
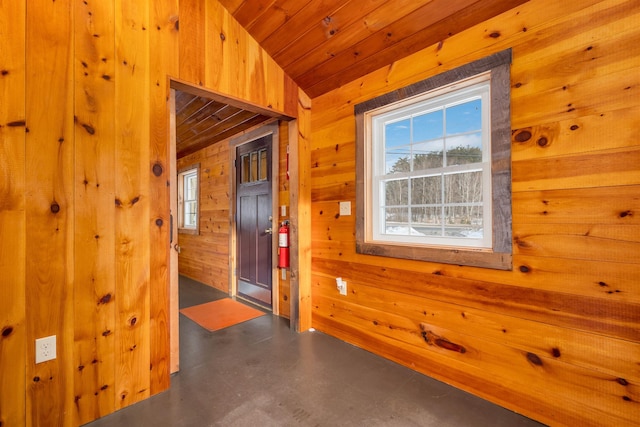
(433, 165)
(188, 199)
(254, 166)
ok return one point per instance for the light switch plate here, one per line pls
(345, 208)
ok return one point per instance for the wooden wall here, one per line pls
(83, 191)
(205, 257)
(557, 338)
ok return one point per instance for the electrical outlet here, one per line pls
(45, 349)
(341, 285)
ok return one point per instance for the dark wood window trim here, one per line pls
(500, 256)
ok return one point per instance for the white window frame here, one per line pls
(455, 94)
(494, 250)
(183, 174)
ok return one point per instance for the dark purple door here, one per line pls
(254, 220)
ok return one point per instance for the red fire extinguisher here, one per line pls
(283, 245)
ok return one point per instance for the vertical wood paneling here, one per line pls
(132, 203)
(84, 198)
(163, 62)
(284, 292)
(192, 41)
(94, 290)
(49, 208)
(300, 196)
(12, 213)
(575, 185)
(217, 53)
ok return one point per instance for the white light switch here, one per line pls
(345, 208)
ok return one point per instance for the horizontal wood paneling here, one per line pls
(556, 338)
(205, 257)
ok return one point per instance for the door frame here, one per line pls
(173, 303)
(272, 129)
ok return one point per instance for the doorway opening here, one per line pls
(205, 124)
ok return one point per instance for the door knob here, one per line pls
(268, 231)
(177, 248)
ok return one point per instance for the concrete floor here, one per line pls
(259, 373)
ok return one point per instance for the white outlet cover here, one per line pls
(345, 208)
(45, 349)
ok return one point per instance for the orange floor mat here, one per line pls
(220, 314)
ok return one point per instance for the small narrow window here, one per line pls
(433, 166)
(188, 199)
(254, 167)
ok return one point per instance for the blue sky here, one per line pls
(428, 131)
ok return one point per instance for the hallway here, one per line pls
(259, 373)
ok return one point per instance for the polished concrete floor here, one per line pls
(259, 373)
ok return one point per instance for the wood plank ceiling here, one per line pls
(201, 122)
(323, 44)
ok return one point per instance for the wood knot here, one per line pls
(135, 200)
(105, 299)
(159, 222)
(534, 358)
(574, 127)
(543, 141)
(626, 214)
(438, 341)
(55, 208)
(622, 381)
(555, 352)
(90, 130)
(133, 321)
(524, 269)
(223, 37)
(6, 331)
(495, 34)
(36, 379)
(157, 169)
(523, 136)
(106, 333)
